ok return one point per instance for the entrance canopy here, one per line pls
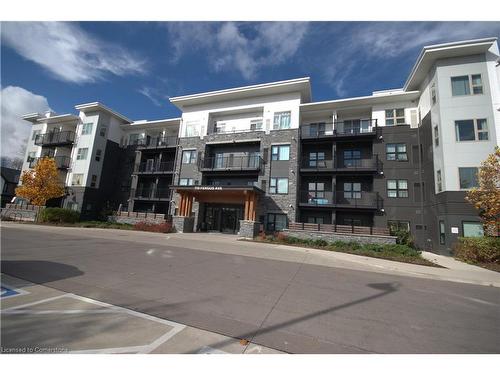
(247, 195)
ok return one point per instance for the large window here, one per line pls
(276, 222)
(397, 225)
(471, 130)
(397, 188)
(394, 116)
(282, 120)
(317, 129)
(442, 233)
(278, 185)
(87, 128)
(316, 193)
(352, 190)
(191, 129)
(317, 159)
(189, 157)
(77, 179)
(396, 151)
(82, 153)
(186, 181)
(281, 152)
(465, 85)
(472, 229)
(468, 177)
(352, 158)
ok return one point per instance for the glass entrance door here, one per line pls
(223, 218)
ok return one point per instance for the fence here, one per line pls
(344, 229)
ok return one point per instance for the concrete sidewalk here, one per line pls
(455, 271)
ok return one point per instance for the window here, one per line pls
(396, 151)
(317, 159)
(439, 181)
(256, 124)
(394, 116)
(276, 222)
(397, 188)
(280, 152)
(468, 177)
(442, 233)
(102, 131)
(31, 156)
(433, 94)
(471, 130)
(316, 193)
(98, 154)
(472, 229)
(436, 136)
(395, 225)
(186, 182)
(191, 129)
(35, 133)
(189, 157)
(77, 179)
(278, 185)
(352, 190)
(317, 129)
(82, 154)
(93, 182)
(282, 120)
(352, 158)
(133, 139)
(72, 206)
(87, 128)
(220, 127)
(315, 220)
(465, 85)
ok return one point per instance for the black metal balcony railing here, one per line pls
(234, 131)
(158, 167)
(157, 142)
(151, 192)
(62, 162)
(339, 128)
(351, 199)
(365, 164)
(55, 138)
(231, 163)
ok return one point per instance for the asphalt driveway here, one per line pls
(290, 306)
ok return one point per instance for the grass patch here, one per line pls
(394, 252)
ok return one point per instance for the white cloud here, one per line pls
(68, 52)
(17, 102)
(377, 42)
(241, 47)
(154, 95)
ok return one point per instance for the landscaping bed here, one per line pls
(394, 252)
(479, 251)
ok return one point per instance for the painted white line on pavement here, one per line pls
(35, 303)
(44, 312)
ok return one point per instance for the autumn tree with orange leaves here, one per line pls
(42, 183)
(486, 197)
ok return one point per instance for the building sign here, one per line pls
(208, 188)
(454, 230)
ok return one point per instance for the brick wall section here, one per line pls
(332, 237)
(249, 229)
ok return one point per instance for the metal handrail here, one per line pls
(55, 138)
(62, 162)
(156, 142)
(367, 199)
(250, 162)
(157, 167)
(338, 128)
(352, 164)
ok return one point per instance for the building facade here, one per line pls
(268, 155)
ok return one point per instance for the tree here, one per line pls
(42, 183)
(486, 198)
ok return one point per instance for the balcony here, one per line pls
(62, 162)
(372, 164)
(231, 163)
(156, 142)
(154, 168)
(151, 193)
(346, 128)
(341, 199)
(55, 138)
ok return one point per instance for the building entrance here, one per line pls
(222, 217)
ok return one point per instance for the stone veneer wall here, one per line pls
(183, 224)
(332, 237)
(249, 229)
(134, 219)
(20, 212)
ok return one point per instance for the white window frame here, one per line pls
(191, 129)
(395, 117)
(278, 120)
(87, 128)
(476, 131)
(76, 176)
(82, 153)
(189, 181)
(471, 85)
(256, 124)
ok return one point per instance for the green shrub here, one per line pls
(478, 249)
(320, 243)
(59, 215)
(403, 237)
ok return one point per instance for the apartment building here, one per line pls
(268, 155)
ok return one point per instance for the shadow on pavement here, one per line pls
(39, 271)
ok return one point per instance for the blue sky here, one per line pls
(133, 67)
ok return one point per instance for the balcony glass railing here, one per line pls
(354, 199)
(248, 162)
(62, 162)
(155, 167)
(346, 164)
(151, 192)
(156, 142)
(339, 128)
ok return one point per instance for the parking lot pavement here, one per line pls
(39, 319)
